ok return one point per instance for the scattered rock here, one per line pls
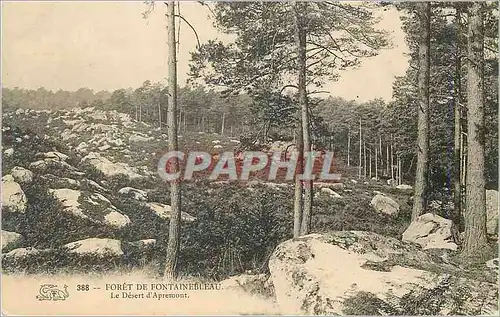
(337, 186)
(108, 168)
(13, 197)
(52, 155)
(432, 232)
(11, 240)
(104, 147)
(116, 219)
(134, 193)
(330, 192)
(22, 175)
(404, 187)
(69, 199)
(20, 253)
(492, 264)
(96, 246)
(8, 152)
(385, 205)
(134, 138)
(163, 211)
(60, 182)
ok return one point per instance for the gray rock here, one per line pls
(385, 205)
(22, 175)
(96, 246)
(163, 211)
(134, 193)
(432, 232)
(11, 240)
(404, 187)
(13, 197)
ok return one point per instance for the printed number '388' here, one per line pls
(82, 287)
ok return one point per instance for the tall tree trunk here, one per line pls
(419, 197)
(171, 270)
(159, 114)
(184, 122)
(387, 165)
(301, 7)
(475, 207)
(297, 204)
(376, 164)
(457, 158)
(364, 156)
(360, 154)
(392, 160)
(348, 147)
(223, 123)
(463, 149)
(380, 152)
(400, 170)
(370, 150)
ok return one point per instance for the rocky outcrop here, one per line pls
(13, 197)
(11, 240)
(385, 205)
(404, 187)
(134, 193)
(95, 246)
(108, 168)
(92, 206)
(22, 175)
(330, 192)
(363, 273)
(432, 232)
(163, 211)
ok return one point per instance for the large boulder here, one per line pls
(134, 193)
(54, 155)
(330, 192)
(492, 211)
(385, 205)
(163, 211)
(20, 253)
(432, 232)
(96, 246)
(11, 240)
(363, 273)
(108, 168)
(13, 197)
(22, 175)
(404, 187)
(92, 206)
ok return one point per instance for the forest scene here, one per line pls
(411, 227)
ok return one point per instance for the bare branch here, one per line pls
(192, 28)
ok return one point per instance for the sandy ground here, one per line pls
(19, 297)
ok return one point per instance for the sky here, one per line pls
(109, 45)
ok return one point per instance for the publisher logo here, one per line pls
(52, 292)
